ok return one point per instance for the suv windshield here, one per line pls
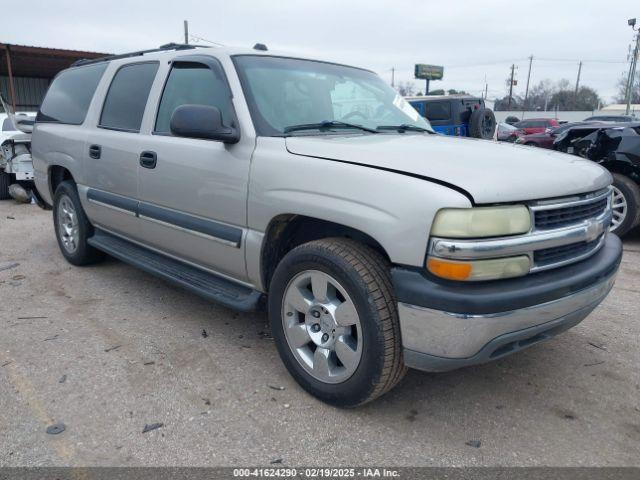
(287, 95)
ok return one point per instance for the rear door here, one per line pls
(113, 147)
(193, 195)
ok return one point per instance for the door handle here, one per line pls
(95, 151)
(148, 159)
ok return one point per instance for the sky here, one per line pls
(475, 41)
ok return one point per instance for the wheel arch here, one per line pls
(287, 231)
(58, 174)
(624, 167)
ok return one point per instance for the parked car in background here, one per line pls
(506, 132)
(256, 179)
(16, 167)
(535, 125)
(617, 148)
(612, 118)
(546, 138)
(456, 115)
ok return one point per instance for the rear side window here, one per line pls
(127, 97)
(193, 83)
(438, 110)
(69, 96)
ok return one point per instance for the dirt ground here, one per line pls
(107, 350)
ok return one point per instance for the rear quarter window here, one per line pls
(68, 98)
(438, 110)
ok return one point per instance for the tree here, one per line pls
(406, 89)
(565, 99)
(547, 95)
(502, 104)
(540, 95)
(622, 89)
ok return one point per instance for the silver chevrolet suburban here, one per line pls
(312, 189)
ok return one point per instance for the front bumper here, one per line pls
(447, 325)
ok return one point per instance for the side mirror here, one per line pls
(202, 121)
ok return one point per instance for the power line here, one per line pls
(202, 39)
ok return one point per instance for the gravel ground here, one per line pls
(108, 349)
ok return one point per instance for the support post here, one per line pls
(186, 32)
(513, 68)
(632, 73)
(575, 94)
(12, 90)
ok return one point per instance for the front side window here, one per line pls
(193, 83)
(127, 97)
(68, 98)
(286, 92)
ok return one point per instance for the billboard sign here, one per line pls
(428, 72)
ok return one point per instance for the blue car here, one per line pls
(460, 116)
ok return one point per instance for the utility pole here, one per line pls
(393, 76)
(632, 66)
(526, 90)
(513, 68)
(186, 32)
(575, 94)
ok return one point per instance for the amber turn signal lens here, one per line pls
(449, 270)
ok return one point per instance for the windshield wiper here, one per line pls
(326, 125)
(404, 127)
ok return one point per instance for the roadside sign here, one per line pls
(429, 72)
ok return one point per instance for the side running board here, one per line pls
(207, 285)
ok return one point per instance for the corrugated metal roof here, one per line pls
(39, 62)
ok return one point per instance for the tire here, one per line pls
(72, 226)
(364, 276)
(482, 124)
(626, 204)
(5, 181)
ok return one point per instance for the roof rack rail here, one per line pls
(161, 48)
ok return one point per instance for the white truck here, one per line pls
(16, 166)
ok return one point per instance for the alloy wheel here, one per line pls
(322, 326)
(68, 224)
(618, 208)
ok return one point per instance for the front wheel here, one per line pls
(335, 321)
(625, 205)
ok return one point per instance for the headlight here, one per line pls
(481, 222)
(476, 270)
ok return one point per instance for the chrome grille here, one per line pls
(550, 256)
(561, 217)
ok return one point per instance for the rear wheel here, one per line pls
(625, 204)
(72, 226)
(335, 322)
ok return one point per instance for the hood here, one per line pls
(489, 172)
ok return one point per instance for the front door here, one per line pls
(193, 192)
